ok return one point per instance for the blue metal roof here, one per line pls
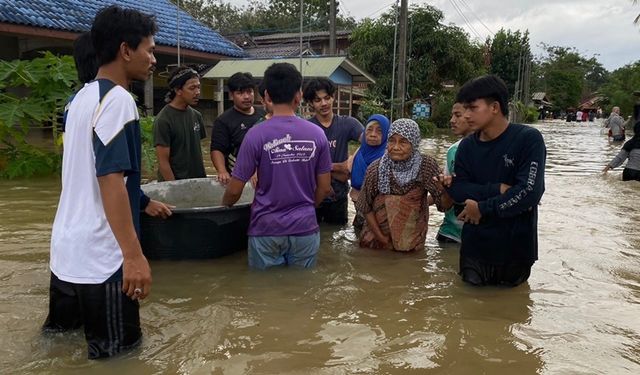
(77, 16)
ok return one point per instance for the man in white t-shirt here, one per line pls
(98, 271)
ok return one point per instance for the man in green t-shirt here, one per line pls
(451, 227)
(178, 129)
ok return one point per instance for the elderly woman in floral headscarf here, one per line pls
(394, 194)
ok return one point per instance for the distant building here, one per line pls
(28, 27)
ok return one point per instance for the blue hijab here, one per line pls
(368, 154)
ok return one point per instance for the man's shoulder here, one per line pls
(525, 131)
(348, 120)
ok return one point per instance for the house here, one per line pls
(317, 41)
(348, 77)
(541, 101)
(30, 26)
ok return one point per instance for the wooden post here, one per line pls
(351, 100)
(220, 96)
(148, 96)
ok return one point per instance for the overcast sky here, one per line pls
(595, 27)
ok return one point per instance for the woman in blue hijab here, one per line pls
(372, 149)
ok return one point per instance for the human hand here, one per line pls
(443, 181)
(224, 178)
(158, 209)
(136, 277)
(504, 188)
(471, 213)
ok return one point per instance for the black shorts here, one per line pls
(629, 174)
(333, 212)
(111, 320)
(479, 273)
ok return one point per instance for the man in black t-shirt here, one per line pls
(339, 131)
(230, 127)
(178, 129)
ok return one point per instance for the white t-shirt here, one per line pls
(102, 136)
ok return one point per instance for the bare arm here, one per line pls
(136, 270)
(217, 158)
(233, 192)
(323, 189)
(163, 152)
(341, 171)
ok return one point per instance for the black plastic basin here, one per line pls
(199, 228)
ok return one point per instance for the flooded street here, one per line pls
(362, 311)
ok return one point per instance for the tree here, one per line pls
(567, 76)
(509, 50)
(620, 87)
(437, 53)
(263, 16)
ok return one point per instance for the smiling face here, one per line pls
(322, 103)
(141, 61)
(458, 122)
(373, 134)
(190, 92)
(399, 148)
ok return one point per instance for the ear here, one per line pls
(125, 51)
(267, 97)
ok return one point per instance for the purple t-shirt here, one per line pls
(288, 153)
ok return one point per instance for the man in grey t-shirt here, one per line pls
(615, 123)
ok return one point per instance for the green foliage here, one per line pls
(263, 16)
(531, 115)
(427, 128)
(370, 107)
(149, 159)
(441, 109)
(28, 161)
(507, 49)
(32, 94)
(567, 76)
(623, 82)
(437, 53)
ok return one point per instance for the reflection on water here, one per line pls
(362, 311)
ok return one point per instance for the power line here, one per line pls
(476, 16)
(465, 19)
(386, 6)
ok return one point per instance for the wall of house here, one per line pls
(9, 50)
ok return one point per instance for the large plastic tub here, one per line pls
(199, 228)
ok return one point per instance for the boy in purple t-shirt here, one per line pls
(292, 160)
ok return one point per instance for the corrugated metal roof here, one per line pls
(314, 66)
(307, 35)
(279, 50)
(538, 95)
(77, 16)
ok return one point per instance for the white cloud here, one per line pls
(593, 27)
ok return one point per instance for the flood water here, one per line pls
(362, 311)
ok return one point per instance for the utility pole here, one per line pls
(332, 27)
(402, 58)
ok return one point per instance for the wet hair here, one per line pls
(240, 82)
(316, 85)
(282, 81)
(177, 79)
(491, 88)
(85, 58)
(114, 25)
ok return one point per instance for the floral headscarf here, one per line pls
(403, 171)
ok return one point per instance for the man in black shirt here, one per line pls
(339, 131)
(500, 178)
(230, 127)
